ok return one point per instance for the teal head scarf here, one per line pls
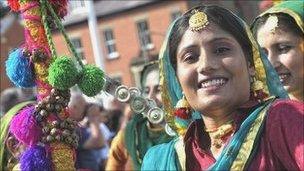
(171, 89)
(292, 8)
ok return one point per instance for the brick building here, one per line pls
(131, 32)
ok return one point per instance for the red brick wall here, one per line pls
(126, 37)
(81, 31)
(125, 32)
(10, 40)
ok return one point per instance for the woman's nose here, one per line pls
(207, 63)
(151, 94)
(274, 60)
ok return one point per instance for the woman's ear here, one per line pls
(11, 145)
(251, 70)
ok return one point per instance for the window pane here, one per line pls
(143, 32)
(111, 48)
(78, 46)
(109, 41)
(108, 35)
(76, 42)
(81, 55)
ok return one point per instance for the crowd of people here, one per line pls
(233, 95)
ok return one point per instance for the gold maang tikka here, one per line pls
(198, 20)
(271, 23)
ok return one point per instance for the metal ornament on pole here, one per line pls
(133, 96)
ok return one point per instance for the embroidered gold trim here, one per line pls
(247, 146)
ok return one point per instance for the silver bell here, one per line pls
(155, 115)
(122, 93)
(138, 104)
(134, 91)
(169, 130)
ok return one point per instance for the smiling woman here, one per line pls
(211, 66)
(279, 32)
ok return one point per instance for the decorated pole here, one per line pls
(44, 127)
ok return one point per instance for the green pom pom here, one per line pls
(92, 80)
(63, 73)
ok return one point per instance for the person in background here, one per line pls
(131, 143)
(103, 153)
(10, 147)
(280, 33)
(14, 95)
(9, 98)
(211, 66)
(91, 138)
(113, 121)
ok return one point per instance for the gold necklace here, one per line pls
(220, 134)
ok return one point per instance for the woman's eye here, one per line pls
(221, 50)
(284, 48)
(146, 91)
(190, 57)
(158, 88)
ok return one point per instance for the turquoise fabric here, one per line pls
(161, 157)
(138, 139)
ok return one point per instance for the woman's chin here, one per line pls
(214, 101)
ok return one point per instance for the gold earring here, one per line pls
(272, 23)
(258, 89)
(182, 108)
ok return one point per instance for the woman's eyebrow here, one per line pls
(216, 39)
(191, 46)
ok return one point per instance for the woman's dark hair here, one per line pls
(217, 15)
(286, 23)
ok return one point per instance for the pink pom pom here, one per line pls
(24, 126)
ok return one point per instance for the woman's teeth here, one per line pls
(283, 77)
(213, 82)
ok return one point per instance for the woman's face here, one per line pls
(152, 87)
(212, 70)
(285, 52)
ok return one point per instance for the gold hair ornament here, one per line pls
(272, 23)
(198, 20)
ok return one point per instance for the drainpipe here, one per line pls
(94, 34)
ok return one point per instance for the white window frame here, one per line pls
(77, 6)
(141, 33)
(79, 50)
(110, 42)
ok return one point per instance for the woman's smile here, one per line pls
(212, 84)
